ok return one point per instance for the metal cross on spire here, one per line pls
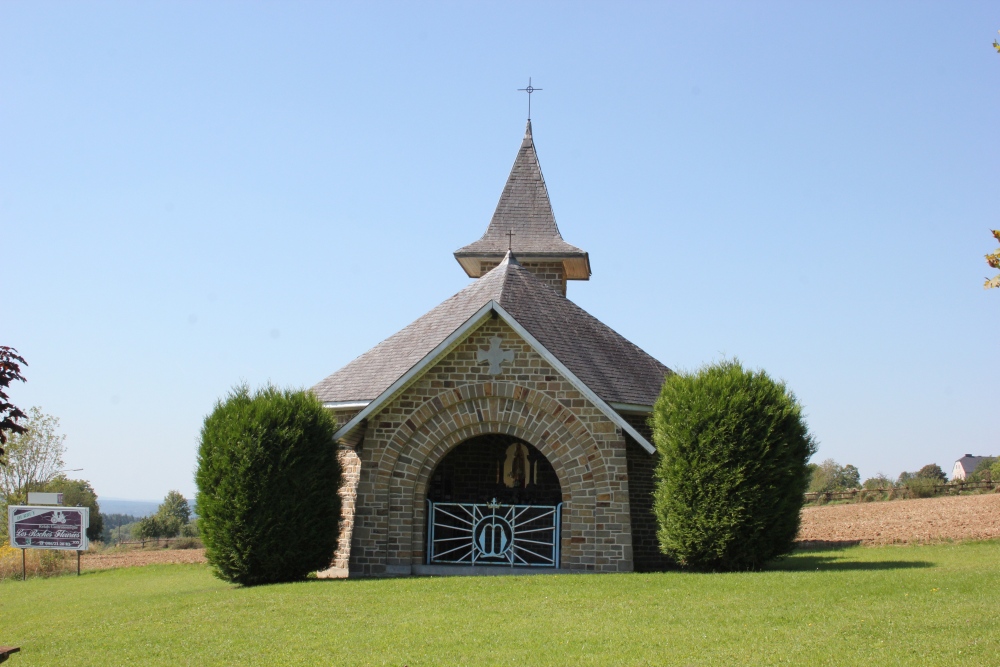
(510, 238)
(529, 90)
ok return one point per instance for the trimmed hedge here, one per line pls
(733, 450)
(267, 478)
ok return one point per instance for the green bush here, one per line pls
(923, 487)
(186, 543)
(190, 529)
(733, 450)
(151, 527)
(879, 481)
(871, 495)
(983, 471)
(171, 518)
(932, 471)
(831, 476)
(267, 481)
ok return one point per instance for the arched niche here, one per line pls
(495, 467)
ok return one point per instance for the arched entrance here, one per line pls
(494, 500)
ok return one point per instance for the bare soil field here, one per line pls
(903, 521)
(138, 557)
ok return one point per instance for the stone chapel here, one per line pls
(504, 428)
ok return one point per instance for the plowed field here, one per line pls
(903, 521)
(108, 560)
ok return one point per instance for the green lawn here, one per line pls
(926, 605)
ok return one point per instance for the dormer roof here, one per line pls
(524, 209)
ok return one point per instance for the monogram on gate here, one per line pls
(493, 537)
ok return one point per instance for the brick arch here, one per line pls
(444, 421)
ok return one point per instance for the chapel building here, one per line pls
(504, 428)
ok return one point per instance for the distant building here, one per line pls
(967, 465)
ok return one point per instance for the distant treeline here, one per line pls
(117, 527)
(172, 518)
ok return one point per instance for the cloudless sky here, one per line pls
(195, 194)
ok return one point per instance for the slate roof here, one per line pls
(525, 209)
(614, 368)
(969, 463)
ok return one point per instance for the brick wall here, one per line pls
(641, 486)
(350, 465)
(456, 400)
(552, 274)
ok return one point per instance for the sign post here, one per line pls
(35, 527)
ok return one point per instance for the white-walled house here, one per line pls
(966, 466)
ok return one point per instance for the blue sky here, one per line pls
(195, 194)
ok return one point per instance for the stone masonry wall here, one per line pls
(456, 400)
(641, 487)
(350, 465)
(552, 274)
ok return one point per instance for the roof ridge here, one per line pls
(615, 368)
(507, 262)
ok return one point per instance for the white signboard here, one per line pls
(39, 498)
(34, 527)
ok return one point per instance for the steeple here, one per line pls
(524, 223)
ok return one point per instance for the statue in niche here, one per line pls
(516, 467)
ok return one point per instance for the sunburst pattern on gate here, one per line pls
(493, 534)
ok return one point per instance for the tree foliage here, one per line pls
(878, 481)
(831, 476)
(733, 447)
(172, 515)
(33, 457)
(79, 493)
(150, 527)
(993, 259)
(932, 471)
(10, 415)
(170, 520)
(983, 471)
(267, 481)
(117, 527)
(175, 506)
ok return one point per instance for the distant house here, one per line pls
(967, 465)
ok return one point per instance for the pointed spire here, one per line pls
(524, 222)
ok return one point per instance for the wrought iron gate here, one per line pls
(493, 534)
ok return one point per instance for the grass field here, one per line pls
(912, 605)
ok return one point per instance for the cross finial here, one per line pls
(529, 90)
(510, 239)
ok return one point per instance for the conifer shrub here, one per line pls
(267, 479)
(733, 447)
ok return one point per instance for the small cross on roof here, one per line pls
(529, 90)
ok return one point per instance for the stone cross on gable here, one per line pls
(495, 356)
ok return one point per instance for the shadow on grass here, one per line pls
(808, 563)
(825, 545)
